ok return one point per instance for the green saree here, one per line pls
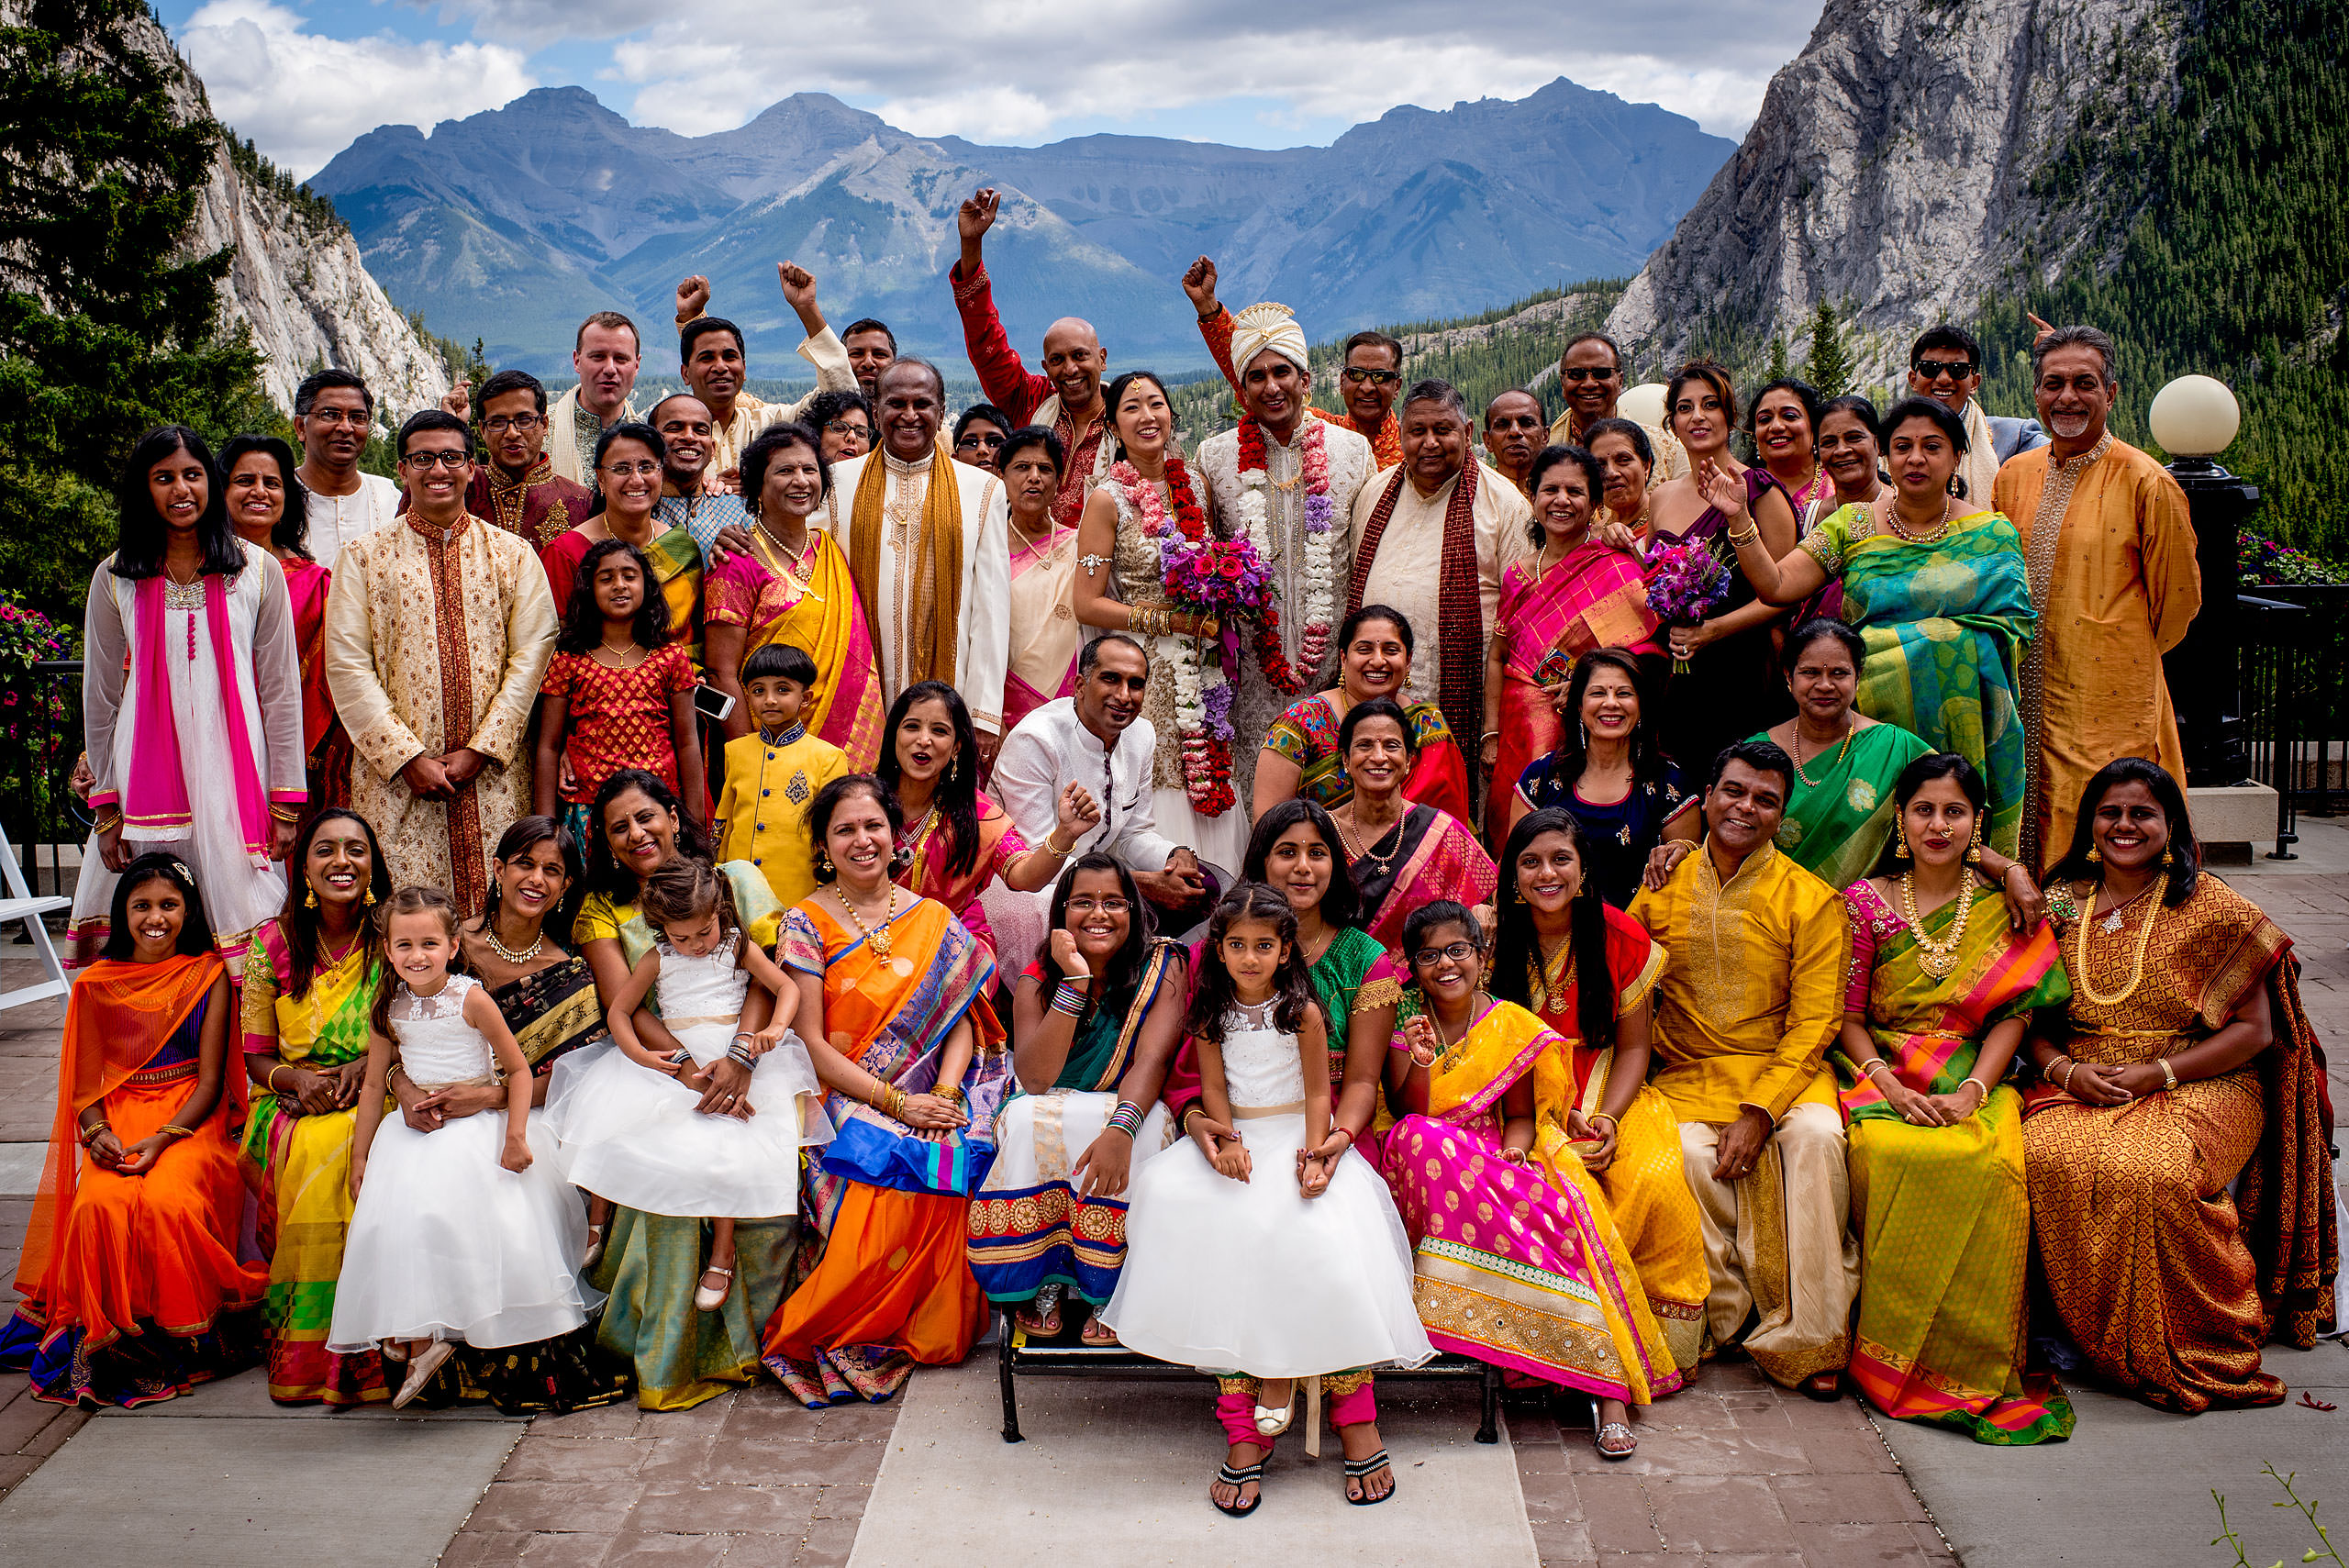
(1838, 819)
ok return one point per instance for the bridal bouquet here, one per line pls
(1686, 583)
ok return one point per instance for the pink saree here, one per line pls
(1436, 855)
(1595, 598)
(1045, 633)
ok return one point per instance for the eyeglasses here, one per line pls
(1356, 374)
(643, 468)
(1098, 905)
(338, 417)
(847, 427)
(1579, 373)
(498, 424)
(424, 462)
(1933, 369)
(1456, 952)
(985, 443)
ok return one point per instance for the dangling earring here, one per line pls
(2095, 856)
(369, 900)
(2167, 859)
(1900, 842)
(1974, 845)
(311, 898)
(1952, 486)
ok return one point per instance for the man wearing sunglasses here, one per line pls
(1370, 371)
(1590, 379)
(1945, 365)
(437, 691)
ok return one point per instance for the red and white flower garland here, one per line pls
(1321, 576)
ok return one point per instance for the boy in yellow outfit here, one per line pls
(772, 775)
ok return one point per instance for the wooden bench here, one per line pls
(1017, 1358)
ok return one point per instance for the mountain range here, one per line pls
(513, 224)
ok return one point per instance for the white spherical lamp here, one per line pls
(1643, 405)
(2194, 416)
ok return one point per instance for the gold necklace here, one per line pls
(1547, 977)
(1890, 517)
(2136, 961)
(796, 561)
(489, 935)
(1936, 958)
(1354, 845)
(622, 655)
(1850, 731)
(878, 940)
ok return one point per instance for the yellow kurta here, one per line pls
(1753, 994)
(1749, 1001)
(762, 812)
(1406, 572)
(2113, 578)
(436, 642)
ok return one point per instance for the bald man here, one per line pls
(1066, 397)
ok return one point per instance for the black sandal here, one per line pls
(1238, 1478)
(1360, 1470)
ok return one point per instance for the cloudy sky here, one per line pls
(302, 80)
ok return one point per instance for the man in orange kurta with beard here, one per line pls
(2110, 546)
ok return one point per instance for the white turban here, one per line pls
(1268, 326)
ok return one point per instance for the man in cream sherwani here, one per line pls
(928, 546)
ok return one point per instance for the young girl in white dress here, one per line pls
(661, 1134)
(460, 1233)
(1242, 1253)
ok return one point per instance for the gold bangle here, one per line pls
(2169, 1075)
(1056, 850)
(2069, 1068)
(270, 1082)
(1684, 843)
(952, 1095)
(93, 1133)
(174, 1127)
(1753, 531)
(1602, 1116)
(1977, 1083)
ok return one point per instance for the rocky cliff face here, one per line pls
(298, 283)
(1917, 155)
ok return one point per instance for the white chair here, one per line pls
(20, 904)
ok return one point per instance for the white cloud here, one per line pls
(303, 98)
(998, 70)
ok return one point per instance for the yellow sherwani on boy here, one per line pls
(762, 812)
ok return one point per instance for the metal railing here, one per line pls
(2294, 669)
(40, 739)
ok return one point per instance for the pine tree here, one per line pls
(107, 327)
(1829, 365)
(1776, 370)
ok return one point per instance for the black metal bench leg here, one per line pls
(1010, 1396)
(1489, 1433)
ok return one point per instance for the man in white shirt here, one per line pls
(333, 416)
(606, 354)
(1099, 738)
(928, 547)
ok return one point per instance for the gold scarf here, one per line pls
(937, 574)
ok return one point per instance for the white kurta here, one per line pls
(1408, 573)
(752, 415)
(336, 521)
(237, 895)
(982, 636)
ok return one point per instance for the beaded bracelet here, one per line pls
(1126, 1118)
(1070, 1000)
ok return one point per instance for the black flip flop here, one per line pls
(1241, 1477)
(1360, 1469)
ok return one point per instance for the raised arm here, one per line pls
(1002, 376)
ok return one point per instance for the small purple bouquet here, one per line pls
(1219, 577)
(1686, 583)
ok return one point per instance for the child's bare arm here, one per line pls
(512, 1065)
(767, 975)
(379, 1052)
(553, 719)
(621, 1016)
(1228, 1156)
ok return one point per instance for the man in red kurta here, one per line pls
(1066, 399)
(517, 488)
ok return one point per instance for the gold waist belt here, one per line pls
(1250, 1113)
(176, 1072)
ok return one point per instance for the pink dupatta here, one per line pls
(155, 793)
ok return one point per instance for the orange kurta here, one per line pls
(2113, 575)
